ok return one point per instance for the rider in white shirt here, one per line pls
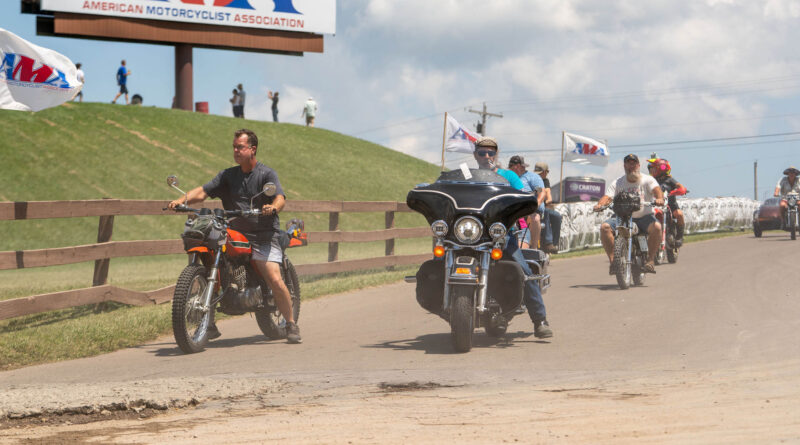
(647, 188)
(787, 185)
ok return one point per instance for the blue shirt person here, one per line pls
(122, 81)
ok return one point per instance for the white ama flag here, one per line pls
(583, 150)
(33, 78)
(458, 138)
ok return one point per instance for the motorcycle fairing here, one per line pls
(492, 202)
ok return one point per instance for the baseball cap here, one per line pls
(486, 141)
(541, 167)
(517, 160)
(630, 157)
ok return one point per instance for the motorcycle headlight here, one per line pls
(792, 200)
(497, 231)
(468, 230)
(439, 228)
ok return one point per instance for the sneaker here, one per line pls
(611, 270)
(678, 242)
(650, 267)
(521, 309)
(213, 332)
(541, 329)
(293, 333)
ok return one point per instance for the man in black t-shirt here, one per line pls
(235, 186)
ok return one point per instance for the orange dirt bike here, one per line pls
(220, 275)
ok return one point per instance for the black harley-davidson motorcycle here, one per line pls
(468, 282)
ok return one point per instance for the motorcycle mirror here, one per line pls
(269, 189)
(172, 181)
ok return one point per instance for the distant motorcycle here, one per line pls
(220, 274)
(630, 247)
(469, 283)
(791, 223)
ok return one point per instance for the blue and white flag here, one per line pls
(583, 150)
(458, 138)
(33, 78)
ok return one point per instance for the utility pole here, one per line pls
(482, 123)
(755, 180)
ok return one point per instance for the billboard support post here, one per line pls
(183, 77)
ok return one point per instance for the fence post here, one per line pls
(390, 225)
(104, 231)
(333, 225)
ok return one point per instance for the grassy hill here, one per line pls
(91, 151)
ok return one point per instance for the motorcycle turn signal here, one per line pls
(497, 254)
(438, 251)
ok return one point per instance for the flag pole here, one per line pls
(444, 137)
(561, 179)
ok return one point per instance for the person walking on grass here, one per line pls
(122, 80)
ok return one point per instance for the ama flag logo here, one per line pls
(589, 149)
(280, 5)
(26, 70)
(462, 134)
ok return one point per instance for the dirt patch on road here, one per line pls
(735, 406)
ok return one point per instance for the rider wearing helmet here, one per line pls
(661, 170)
(787, 185)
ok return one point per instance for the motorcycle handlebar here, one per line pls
(180, 208)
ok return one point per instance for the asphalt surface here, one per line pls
(725, 304)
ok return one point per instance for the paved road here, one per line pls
(728, 304)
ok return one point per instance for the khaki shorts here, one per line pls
(270, 252)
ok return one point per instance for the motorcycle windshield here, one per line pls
(485, 194)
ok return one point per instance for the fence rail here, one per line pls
(102, 251)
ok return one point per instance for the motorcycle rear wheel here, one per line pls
(621, 265)
(793, 229)
(270, 320)
(189, 323)
(462, 317)
(637, 272)
(672, 255)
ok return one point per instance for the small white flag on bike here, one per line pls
(583, 150)
(458, 138)
(33, 78)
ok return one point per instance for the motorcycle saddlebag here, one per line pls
(506, 284)
(430, 285)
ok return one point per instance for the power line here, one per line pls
(794, 133)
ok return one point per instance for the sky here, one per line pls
(712, 86)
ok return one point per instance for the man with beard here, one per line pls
(647, 188)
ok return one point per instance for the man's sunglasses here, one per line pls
(489, 153)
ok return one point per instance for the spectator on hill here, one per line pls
(242, 96)
(81, 79)
(122, 81)
(274, 98)
(310, 111)
(235, 100)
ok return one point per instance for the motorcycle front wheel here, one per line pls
(621, 264)
(269, 319)
(189, 322)
(637, 269)
(462, 317)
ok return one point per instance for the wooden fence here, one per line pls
(105, 249)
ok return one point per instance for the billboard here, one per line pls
(314, 16)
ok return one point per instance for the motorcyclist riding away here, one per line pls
(661, 170)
